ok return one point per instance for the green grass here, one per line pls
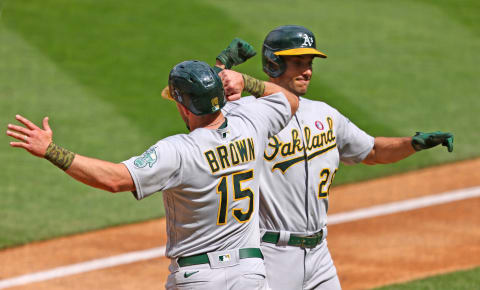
(97, 69)
(39, 201)
(461, 280)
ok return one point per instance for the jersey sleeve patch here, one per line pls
(148, 158)
(157, 169)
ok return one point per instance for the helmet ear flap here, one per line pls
(273, 65)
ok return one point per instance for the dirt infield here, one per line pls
(368, 252)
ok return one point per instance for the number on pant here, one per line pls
(239, 193)
(325, 177)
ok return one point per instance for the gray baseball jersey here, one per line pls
(300, 165)
(210, 179)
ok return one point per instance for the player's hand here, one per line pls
(237, 52)
(32, 138)
(428, 140)
(232, 84)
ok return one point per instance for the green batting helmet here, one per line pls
(286, 40)
(197, 86)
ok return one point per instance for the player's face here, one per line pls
(297, 75)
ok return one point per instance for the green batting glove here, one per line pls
(428, 140)
(237, 52)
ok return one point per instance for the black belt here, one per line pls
(203, 258)
(298, 241)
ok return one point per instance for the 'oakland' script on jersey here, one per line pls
(324, 142)
(234, 153)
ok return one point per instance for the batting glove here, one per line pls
(237, 52)
(428, 140)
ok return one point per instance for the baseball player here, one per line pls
(301, 162)
(209, 177)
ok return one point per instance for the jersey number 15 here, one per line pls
(239, 193)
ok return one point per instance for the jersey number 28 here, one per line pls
(238, 193)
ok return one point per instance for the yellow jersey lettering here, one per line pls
(234, 153)
(315, 145)
(222, 154)
(275, 144)
(297, 142)
(330, 136)
(251, 148)
(242, 150)
(212, 161)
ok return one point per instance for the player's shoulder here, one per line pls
(315, 105)
(177, 142)
(233, 105)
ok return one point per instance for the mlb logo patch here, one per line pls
(224, 258)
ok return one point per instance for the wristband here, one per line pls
(217, 69)
(253, 86)
(60, 157)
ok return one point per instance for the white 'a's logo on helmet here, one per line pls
(307, 40)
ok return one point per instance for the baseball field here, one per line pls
(97, 68)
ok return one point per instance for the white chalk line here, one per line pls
(406, 205)
(137, 256)
(83, 267)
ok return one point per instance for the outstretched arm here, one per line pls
(97, 173)
(388, 150)
(113, 177)
(392, 149)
